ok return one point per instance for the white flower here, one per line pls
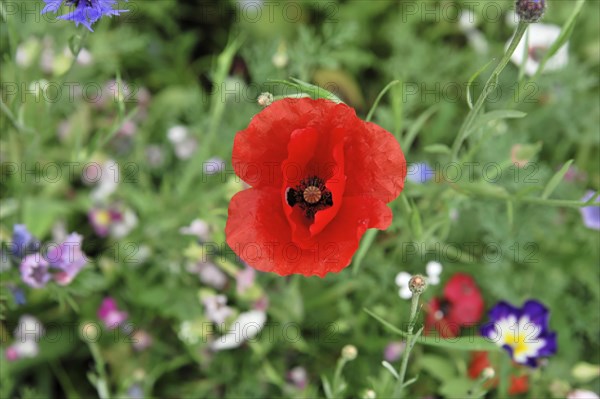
(582, 394)
(539, 38)
(108, 180)
(468, 25)
(434, 269)
(245, 327)
(121, 228)
(28, 329)
(198, 228)
(402, 280)
(177, 134)
(216, 308)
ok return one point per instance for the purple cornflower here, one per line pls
(86, 12)
(110, 314)
(68, 258)
(591, 214)
(34, 271)
(523, 332)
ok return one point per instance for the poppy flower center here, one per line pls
(310, 196)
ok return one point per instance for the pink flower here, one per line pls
(110, 315)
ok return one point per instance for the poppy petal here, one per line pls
(260, 149)
(375, 164)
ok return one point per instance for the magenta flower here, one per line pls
(68, 258)
(591, 214)
(110, 314)
(34, 271)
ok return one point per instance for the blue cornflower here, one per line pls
(523, 332)
(591, 214)
(23, 241)
(86, 12)
(420, 172)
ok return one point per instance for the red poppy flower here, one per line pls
(480, 360)
(320, 177)
(460, 306)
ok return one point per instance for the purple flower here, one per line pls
(244, 279)
(23, 241)
(68, 258)
(523, 332)
(86, 12)
(591, 214)
(420, 172)
(393, 351)
(298, 376)
(110, 314)
(34, 270)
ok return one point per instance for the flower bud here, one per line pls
(369, 394)
(488, 373)
(265, 99)
(349, 352)
(417, 284)
(530, 10)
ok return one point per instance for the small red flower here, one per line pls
(320, 177)
(460, 306)
(480, 360)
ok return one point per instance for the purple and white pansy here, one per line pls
(523, 332)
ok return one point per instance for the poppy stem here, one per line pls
(490, 85)
(411, 339)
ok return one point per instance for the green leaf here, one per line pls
(310, 89)
(459, 343)
(438, 367)
(415, 223)
(565, 34)
(381, 94)
(457, 388)
(556, 179)
(470, 82)
(481, 188)
(416, 127)
(488, 117)
(437, 149)
(365, 244)
(391, 369)
(75, 43)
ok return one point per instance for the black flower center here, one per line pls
(76, 2)
(310, 195)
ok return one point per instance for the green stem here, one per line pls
(337, 375)
(102, 378)
(410, 342)
(487, 89)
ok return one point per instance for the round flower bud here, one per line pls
(265, 99)
(530, 10)
(488, 373)
(349, 352)
(369, 394)
(417, 284)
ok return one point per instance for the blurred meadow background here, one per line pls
(128, 144)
